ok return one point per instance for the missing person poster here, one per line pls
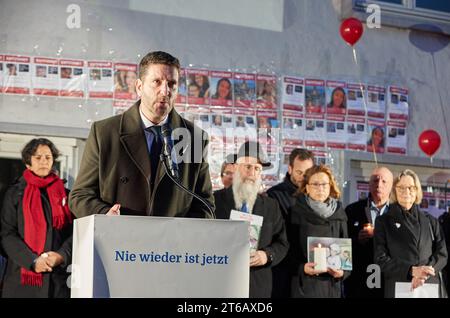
(182, 89)
(245, 125)
(377, 136)
(398, 108)
(221, 88)
(336, 97)
(356, 133)
(199, 115)
(396, 137)
(376, 101)
(72, 78)
(45, 76)
(362, 192)
(125, 76)
(315, 133)
(17, 74)
(266, 86)
(100, 79)
(336, 132)
(292, 132)
(245, 90)
(2, 58)
(293, 93)
(356, 95)
(198, 87)
(314, 98)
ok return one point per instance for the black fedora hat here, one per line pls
(251, 149)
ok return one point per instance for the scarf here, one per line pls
(322, 209)
(35, 225)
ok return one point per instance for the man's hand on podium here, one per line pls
(115, 210)
(259, 258)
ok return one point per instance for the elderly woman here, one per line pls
(36, 227)
(317, 213)
(409, 246)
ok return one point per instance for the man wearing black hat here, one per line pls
(243, 196)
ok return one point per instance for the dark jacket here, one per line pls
(272, 238)
(116, 169)
(284, 194)
(306, 222)
(19, 254)
(358, 214)
(397, 249)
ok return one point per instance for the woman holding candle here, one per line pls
(409, 245)
(317, 213)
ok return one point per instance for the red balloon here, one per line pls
(429, 142)
(351, 30)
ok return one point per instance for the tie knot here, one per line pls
(156, 131)
(244, 207)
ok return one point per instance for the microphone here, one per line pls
(166, 133)
(171, 167)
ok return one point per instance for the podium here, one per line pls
(143, 256)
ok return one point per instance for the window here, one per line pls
(436, 5)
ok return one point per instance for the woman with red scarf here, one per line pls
(36, 228)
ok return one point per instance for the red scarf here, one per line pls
(35, 226)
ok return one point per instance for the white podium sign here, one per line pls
(134, 256)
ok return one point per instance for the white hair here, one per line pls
(245, 191)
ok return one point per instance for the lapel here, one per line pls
(258, 208)
(229, 203)
(133, 139)
(424, 226)
(397, 218)
(367, 214)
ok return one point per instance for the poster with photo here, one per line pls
(245, 125)
(221, 88)
(45, 76)
(182, 89)
(356, 94)
(125, 76)
(314, 98)
(396, 137)
(292, 131)
(376, 138)
(336, 132)
(16, 74)
(284, 160)
(320, 157)
(356, 133)
(266, 88)
(376, 101)
(268, 129)
(100, 79)
(72, 78)
(2, 58)
(293, 93)
(330, 252)
(362, 190)
(222, 123)
(245, 90)
(434, 203)
(199, 115)
(336, 98)
(198, 87)
(398, 107)
(315, 133)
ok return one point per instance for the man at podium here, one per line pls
(121, 171)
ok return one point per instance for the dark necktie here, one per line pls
(244, 207)
(155, 151)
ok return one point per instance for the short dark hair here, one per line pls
(31, 147)
(224, 166)
(157, 57)
(302, 155)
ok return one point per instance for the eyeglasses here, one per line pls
(228, 173)
(410, 188)
(250, 167)
(319, 185)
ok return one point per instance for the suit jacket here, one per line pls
(272, 238)
(358, 214)
(116, 169)
(397, 249)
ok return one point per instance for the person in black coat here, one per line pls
(317, 213)
(300, 160)
(243, 196)
(361, 219)
(409, 245)
(36, 228)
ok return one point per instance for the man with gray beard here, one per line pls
(244, 196)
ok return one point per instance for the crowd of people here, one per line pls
(121, 167)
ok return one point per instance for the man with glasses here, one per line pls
(226, 173)
(300, 160)
(361, 221)
(244, 196)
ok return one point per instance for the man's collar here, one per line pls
(147, 123)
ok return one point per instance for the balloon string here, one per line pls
(364, 102)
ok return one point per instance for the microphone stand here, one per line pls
(163, 159)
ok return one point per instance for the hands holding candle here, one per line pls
(366, 233)
(320, 262)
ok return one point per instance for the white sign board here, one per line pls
(134, 256)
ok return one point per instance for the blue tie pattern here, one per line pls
(244, 207)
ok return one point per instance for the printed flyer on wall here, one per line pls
(336, 97)
(221, 88)
(377, 136)
(16, 74)
(315, 133)
(292, 132)
(398, 107)
(314, 98)
(355, 99)
(293, 93)
(245, 90)
(376, 101)
(336, 132)
(100, 79)
(72, 78)
(356, 133)
(198, 87)
(396, 137)
(45, 76)
(266, 87)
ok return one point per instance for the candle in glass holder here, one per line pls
(320, 258)
(369, 228)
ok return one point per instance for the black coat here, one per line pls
(305, 222)
(272, 238)
(358, 213)
(19, 254)
(284, 194)
(397, 249)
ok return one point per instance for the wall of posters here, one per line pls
(72, 78)
(336, 98)
(17, 74)
(314, 98)
(376, 139)
(356, 133)
(398, 107)
(355, 99)
(293, 93)
(266, 88)
(198, 87)
(336, 132)
(45, 76)
(376, 101)
(396, 141)
(221, 88)
(100, 79)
